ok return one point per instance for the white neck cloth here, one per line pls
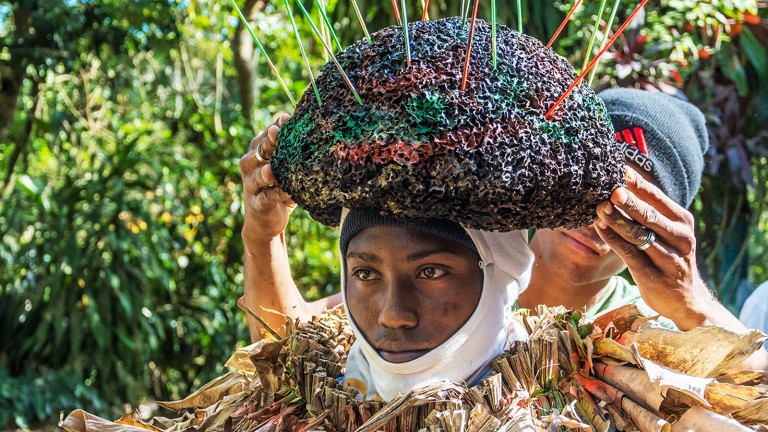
(506, 260)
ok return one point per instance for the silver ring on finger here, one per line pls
(648, 241)
(259, 157)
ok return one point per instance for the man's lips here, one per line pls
(586, 243)
(399, 355)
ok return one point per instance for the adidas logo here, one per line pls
(634, 137)
(635, 148)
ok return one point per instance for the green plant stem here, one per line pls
(303, 53)
(330, 52)
(263, 52)
(519, 16)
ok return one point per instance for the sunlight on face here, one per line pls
(408, 290)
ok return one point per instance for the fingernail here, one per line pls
(608, 209)
(601, 224)
(621, 195)
(629, 174)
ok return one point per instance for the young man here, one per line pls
(418, 294)
(644, 228)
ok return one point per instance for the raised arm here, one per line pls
(270, 291)
(666, 273)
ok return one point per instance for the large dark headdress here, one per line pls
(420, 147)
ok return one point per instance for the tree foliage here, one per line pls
(121, 124)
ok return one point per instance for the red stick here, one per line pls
(424, 13)
(595, 60)
(469, 47)
(397, 12)
(565, 21)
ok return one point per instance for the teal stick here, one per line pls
(465, 14)
(303, 53)
(263, 52)
(594, 33)
(362, 21)
(493, 32)
(606, 30)
(330, 52)
(519, 16)
(328, 24)
(405, 33)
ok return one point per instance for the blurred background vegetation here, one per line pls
(121, 124)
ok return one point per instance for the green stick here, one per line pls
(263, 52)
(594, 33)
(519, 16)
(303, 53)
(465, 13)
(493, 32)
(330, 52)
(328, 24)
(362, 21)
(405, 33)
(606, 30)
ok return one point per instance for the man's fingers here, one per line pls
(650, 193)
(269, 197)
(628, 252)
(633, 208)
(282, 118)
(266, 141)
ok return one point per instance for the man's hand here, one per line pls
(267, 206)
(666, 272)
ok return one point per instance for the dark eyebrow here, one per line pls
(365, 256)
(427, 252)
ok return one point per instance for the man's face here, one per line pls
(579, 255)
(409, 291)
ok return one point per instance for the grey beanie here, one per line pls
(663, 136)
(358, 220)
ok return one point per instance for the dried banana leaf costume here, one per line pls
(419, 147)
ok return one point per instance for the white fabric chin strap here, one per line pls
(506, 260)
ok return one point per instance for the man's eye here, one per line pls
(363, 274)
(431, 273)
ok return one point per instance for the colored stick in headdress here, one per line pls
(562, 24)
(595, 60)
(469, 47)
(362, 21)
(330, 52)
(397, 12)
(606, 29)
(244, 21)
(303, 53)
(493, 32)
(405, 34)
(594, 33)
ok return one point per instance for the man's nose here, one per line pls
(398, 308)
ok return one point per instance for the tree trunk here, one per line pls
(243, 47)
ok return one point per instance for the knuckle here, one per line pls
(627, 250)
(638, 232)
(650, 215)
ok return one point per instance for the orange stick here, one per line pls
(595, 60)
(469, 47)
(397, 12)
(562, 24)
(424, 13)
